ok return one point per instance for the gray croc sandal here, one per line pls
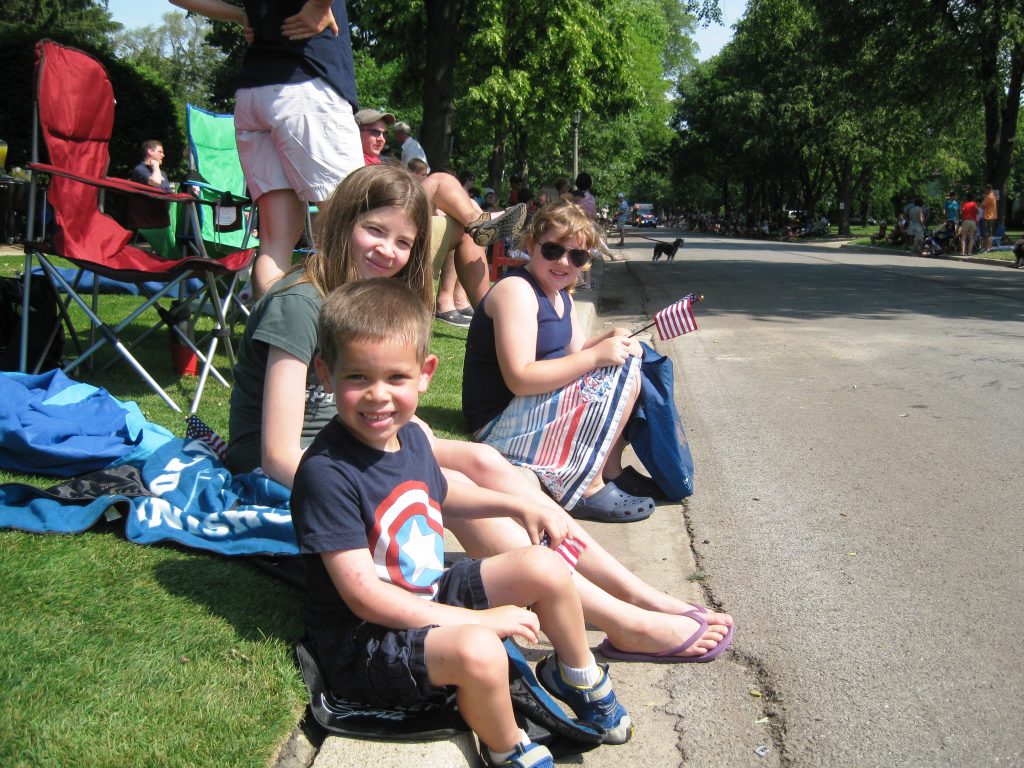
(486, 230)
(613, 505)
(632, 482)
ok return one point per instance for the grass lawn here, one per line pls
(118, 654)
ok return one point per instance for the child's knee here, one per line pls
(547, 569)
(480, 655)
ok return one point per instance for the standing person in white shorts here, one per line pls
(294, 103)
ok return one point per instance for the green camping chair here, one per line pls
(227, 225)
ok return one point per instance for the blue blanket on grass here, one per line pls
(185, 495)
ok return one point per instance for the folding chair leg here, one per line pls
(221, 330)
(109, 336)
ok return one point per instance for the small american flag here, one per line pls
(197, 429)
(676, 319)
(569, 549)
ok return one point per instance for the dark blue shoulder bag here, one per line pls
(656, 432)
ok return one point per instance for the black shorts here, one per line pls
(386, 667)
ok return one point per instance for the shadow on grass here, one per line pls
(255, 604)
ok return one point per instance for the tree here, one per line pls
(178, 53)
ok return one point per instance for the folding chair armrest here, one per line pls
(112, 183)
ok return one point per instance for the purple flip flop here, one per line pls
(669, 656)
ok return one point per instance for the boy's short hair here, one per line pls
(379, 309)
(150, 144)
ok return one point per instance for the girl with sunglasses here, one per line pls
(541, 393)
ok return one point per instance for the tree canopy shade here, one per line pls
(817, 104)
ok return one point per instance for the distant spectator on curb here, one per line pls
(621, 215)
(989, 216)
(411, 149)
(915, 225)
(968, 225)
(293, 115)
(952, 208)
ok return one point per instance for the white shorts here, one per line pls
(299, 136)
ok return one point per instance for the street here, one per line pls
(856, 425)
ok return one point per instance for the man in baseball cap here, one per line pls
(373, 133)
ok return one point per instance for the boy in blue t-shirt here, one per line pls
(388, 624)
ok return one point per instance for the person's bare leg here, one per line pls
(282, 219)
(446, 193)
(446, 283)
(472, 658)
(471, 268)
(461, 298)
(537, 578)
(634, 614)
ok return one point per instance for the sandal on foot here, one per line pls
(671, 656)
(636, 484)
(486, 230)
(613, 505)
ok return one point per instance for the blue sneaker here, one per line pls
(595, 706)
(531, 756)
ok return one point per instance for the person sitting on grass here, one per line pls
(388, 624)
(376, 225)
(543, 394)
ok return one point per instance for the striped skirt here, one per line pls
(565, 435)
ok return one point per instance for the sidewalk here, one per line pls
(658, 548)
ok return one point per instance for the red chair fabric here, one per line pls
(75, 109)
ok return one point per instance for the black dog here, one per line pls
(667, 249)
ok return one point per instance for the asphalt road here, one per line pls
(857, 422)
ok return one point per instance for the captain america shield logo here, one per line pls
(407, 540)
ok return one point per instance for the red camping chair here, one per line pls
(75, 115)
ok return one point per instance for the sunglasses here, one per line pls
(554, 251)
(375, 132)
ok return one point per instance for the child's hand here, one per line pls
(511, 621)
(543, 522)
(616, 350)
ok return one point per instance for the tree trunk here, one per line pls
(438, 89)
(1001, 122)
(844, 193)
(496, 162)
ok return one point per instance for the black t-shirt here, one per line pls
(273, 59)
(350, 496)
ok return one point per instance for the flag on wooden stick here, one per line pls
(197, 429)
(677, 319)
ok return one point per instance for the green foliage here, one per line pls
(145, 108)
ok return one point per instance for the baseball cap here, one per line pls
(621, 195)
(367, 116)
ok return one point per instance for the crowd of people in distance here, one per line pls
(966, 227)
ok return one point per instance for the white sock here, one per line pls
(500, 757)
(584, 677)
